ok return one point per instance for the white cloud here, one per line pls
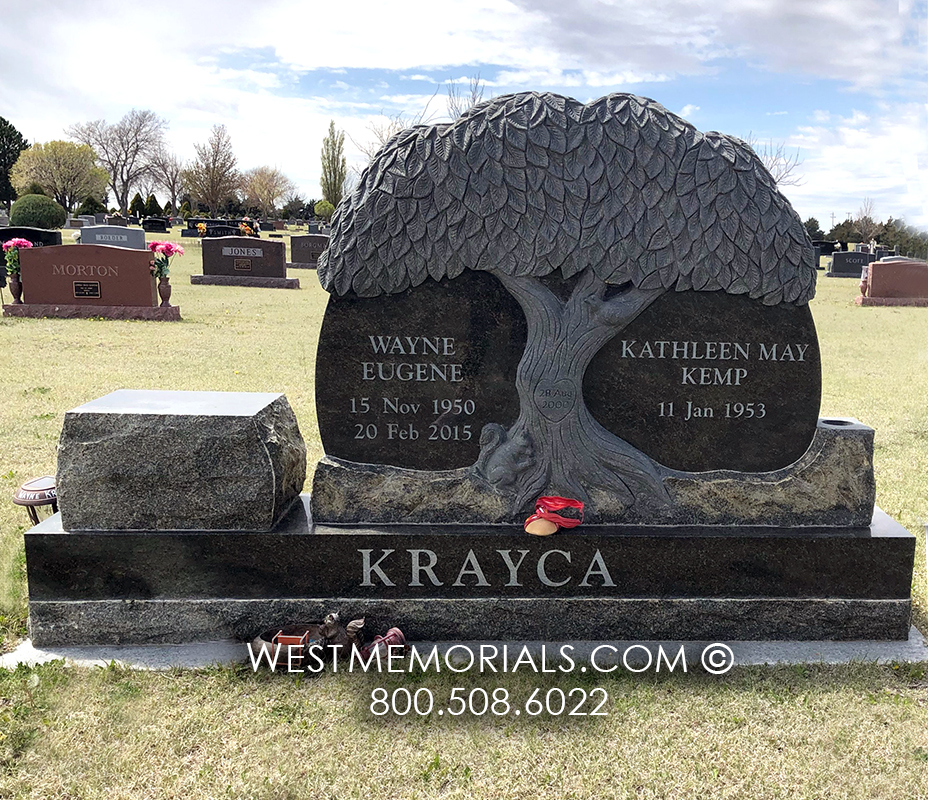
(777, 113)
(688, 110)
(252, 70)
(557, 78)
(855, 157)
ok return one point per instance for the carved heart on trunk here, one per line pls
(556, 399)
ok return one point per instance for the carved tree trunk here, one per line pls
(572, 453)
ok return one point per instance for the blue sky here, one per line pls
(844, 81)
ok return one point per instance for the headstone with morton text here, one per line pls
(244, 261)
(89, 281)
(546, 298)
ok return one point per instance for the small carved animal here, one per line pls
(503, 458)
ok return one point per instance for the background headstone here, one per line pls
(40, 237)
(848, 265)
(155, 225)
(215, 231)
(244, 256)
(305, 250)
(94, 275)
(114, 235)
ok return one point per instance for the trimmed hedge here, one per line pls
(37, 211)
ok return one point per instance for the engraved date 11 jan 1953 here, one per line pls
(727, 411)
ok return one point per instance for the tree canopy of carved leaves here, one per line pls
(527, 184)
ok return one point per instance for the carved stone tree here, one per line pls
(586, 214)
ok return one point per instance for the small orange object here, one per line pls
(286, 642)
(552, 513)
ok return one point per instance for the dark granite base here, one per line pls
(299, 265)
(243, 280)
(473, 582)
(495, 619)
(919, 302)
(163, 314)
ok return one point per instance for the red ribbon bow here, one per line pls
(549, 507)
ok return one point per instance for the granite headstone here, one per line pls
(244, 261)
(534, 268)
(241, 255)
(89, 275)
(40, 237)
(848, 265)
(305, 250)
(155, 225)
(114, 235)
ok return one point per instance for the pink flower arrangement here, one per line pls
(11, 249)
(164, 251)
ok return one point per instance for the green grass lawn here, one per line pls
(816, 732)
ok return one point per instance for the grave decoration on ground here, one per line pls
(542, 301)
(305, 250)
(89, 281)
(244, 261)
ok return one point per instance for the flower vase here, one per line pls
(164, 291)
(16, 289)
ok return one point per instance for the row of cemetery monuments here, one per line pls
(652, 356)
(113, 278)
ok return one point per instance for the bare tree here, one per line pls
(779, 161)
(334, 165)
(458, 102)
(383, 132)
(864, 222)
(125, 150)
(265, 186)
(168, 170)
(212, 176)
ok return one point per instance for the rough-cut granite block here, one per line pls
(831, 485)
(165, 460)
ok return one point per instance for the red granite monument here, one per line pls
(895, 282)
(89, 281)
